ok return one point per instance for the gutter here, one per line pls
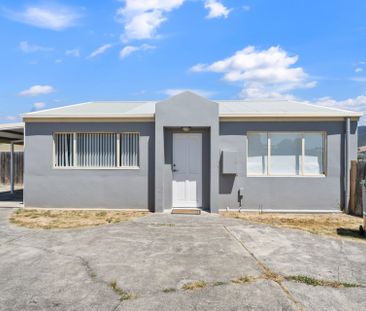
(347, 164)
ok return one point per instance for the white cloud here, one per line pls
(216, 9)
(102, 49)
(358, 79)
(142, 18)
(129, 49)
(73, 52)
(265, 73)
(246, 7)
(357, 103)
(172, 92)
(37, 90)
(26, 47)
(54, 17)
(39, 105)
(358, 69)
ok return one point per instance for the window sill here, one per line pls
(288, 176)
(97, 168)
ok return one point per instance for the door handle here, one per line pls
(174, 170)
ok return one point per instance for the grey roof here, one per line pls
(227, 108)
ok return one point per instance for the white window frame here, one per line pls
(118, 152)
(302, 133)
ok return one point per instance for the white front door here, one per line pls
(187, 170)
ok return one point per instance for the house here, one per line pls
(188, 151)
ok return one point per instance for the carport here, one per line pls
(12, 134)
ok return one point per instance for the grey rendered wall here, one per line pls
(185, 109)
(286, 193)
(45, 186)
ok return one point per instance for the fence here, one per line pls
(5, 168)
(358, 174)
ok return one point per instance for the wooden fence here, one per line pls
(358, 174)
(5, 168)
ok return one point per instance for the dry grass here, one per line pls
(124, 295)
(273, 276)
(336, 225)
(194, 285)
(242, 280)
(65, 219)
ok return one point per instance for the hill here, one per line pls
(361, 135)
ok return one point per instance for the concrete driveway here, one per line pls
(153, 257)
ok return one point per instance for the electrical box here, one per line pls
(229, 162)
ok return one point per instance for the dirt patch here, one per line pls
(65, 219)
(337, 225)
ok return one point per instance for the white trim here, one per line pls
(151, 118)
(88, 119)
(119, 162)
(283, 118)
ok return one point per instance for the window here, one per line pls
(64, 150)
(97, 150)
(313, 154)
(257, 153)
(130, 149)
(286, 154)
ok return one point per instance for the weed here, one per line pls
(273, 276)
(194, 285)
(242, 280)
(316, 282)
(124, 295)
(169, 290)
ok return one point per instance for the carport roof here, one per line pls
(227, 108)
(11, 132)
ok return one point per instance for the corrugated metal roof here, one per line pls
(18, 127)
(11, 132)
(277, 108)
(227, 108)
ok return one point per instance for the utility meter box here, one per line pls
(229, 162)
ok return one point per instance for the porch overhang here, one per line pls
(12, 133)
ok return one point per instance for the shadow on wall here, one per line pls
(226, 182)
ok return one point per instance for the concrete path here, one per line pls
(152, 258)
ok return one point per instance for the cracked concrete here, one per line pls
(72, 269)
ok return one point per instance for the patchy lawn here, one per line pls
(65, 219)
(337, 225)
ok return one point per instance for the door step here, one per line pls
(186, 211)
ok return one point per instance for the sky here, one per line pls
(57, 53)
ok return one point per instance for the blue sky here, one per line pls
(56, 53)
